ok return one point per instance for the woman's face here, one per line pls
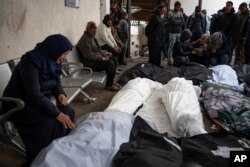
(62, 57)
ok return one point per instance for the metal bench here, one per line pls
(75, 69)
(8, 133)
(72, 87)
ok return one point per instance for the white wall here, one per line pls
(105, 8)
(23, 23)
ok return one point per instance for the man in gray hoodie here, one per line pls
(176, 24)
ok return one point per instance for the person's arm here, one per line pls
(60, 93)
(190, 23)
(111, 37)
(124, 29)
(104, 34)
(30, 79)
(203, 19)
(118, 40)
(85, 49)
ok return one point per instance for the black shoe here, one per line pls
(123, 63)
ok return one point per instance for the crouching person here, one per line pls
(35, 80)
(218, 49)
(91, 56)
(182, 48)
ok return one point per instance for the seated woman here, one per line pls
(218, 49)
(35, 80)
(91, 56)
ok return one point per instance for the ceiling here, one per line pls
(142, 9)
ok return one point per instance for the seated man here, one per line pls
(105, 37)
(91, 56)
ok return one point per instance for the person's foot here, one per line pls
(118, 85)
(113, 88)
(119, 68)
(123, 63)
(117, 71)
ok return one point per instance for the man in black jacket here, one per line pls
(155, 33)
(227, 24)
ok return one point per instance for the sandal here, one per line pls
(118, 85)
(113, 88)
(118, 68)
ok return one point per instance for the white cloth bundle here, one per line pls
(182, 106)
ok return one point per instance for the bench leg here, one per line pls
(88, 98)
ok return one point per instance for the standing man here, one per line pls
(227, 24)
(197, 24)
(124, 35)
(241, 32)
(176, 24)
(155, 33)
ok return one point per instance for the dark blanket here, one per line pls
(191, 71)
(212, 149)
(242, 71)
(148, 148)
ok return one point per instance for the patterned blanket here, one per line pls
(229, 107)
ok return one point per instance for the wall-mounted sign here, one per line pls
(72, 3)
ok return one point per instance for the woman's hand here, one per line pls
(65, 120)
(62, 99)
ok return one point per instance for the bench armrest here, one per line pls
(19, 105)
(75, 67)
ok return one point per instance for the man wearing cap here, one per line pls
(197, 24)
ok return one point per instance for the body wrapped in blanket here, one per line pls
(99, 135)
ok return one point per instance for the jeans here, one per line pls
(218, 59)
(173, 37)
